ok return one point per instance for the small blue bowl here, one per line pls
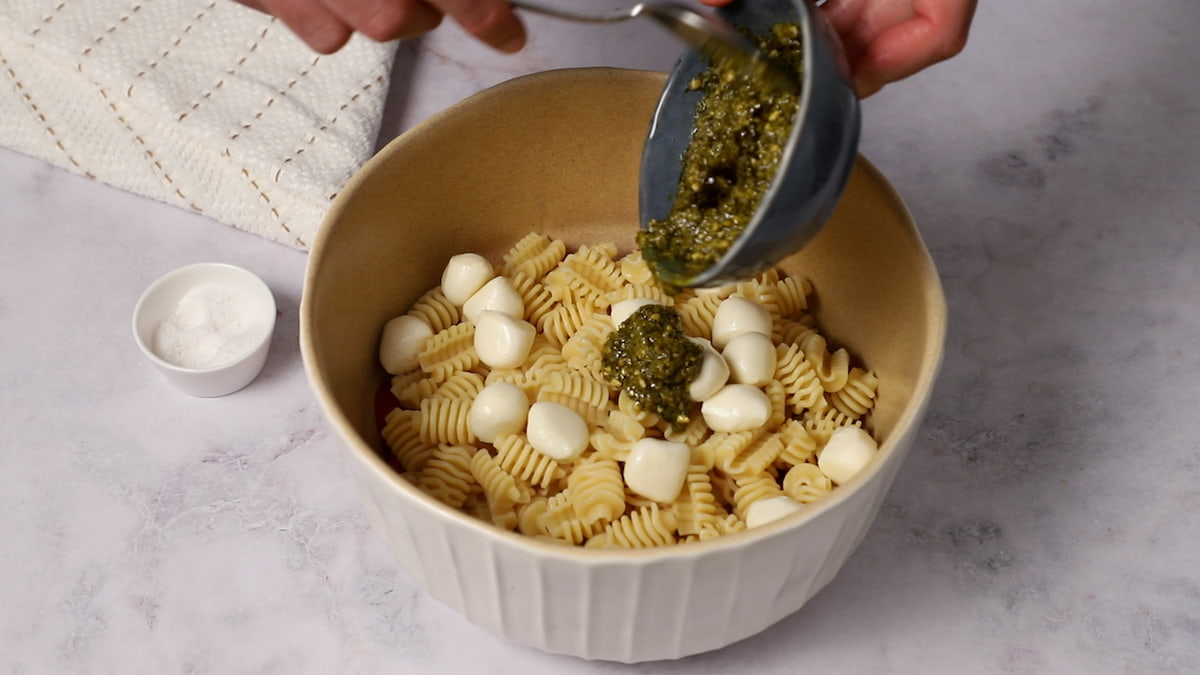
(816, 162)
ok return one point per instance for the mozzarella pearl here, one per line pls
(736, 407)
(751, 358)
(714, 372)
(499, 409)
(656, 469)
(846, 453)
(624, 309)
(402, 341)
(766, 510)
(556, 431)
(497, 295)
(465, 273)
(502, 341)
(736, 315)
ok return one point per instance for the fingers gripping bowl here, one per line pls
(558, 153)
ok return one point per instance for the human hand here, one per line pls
(326, 25)
(888, 40)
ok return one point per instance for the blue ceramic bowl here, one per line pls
(815, 165)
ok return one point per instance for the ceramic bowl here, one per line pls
(559, 153)
(206, 327)
(815, 166)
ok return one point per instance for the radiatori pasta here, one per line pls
(585, 499)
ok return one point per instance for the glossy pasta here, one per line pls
(587, 501)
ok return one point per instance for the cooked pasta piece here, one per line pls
(645, 527)
(518, 457)
(696, 507)
(598, 488)
(797, 376)
(533, 256)
(692, 434)
(832, 368)
(569, 316)
(753, 459)
(805, 483)
(530, 517)
(820, 424)
(640, 292)
(537, 299)
(858, 396)
(584, 350)
(587, 273)
(436, 310)
(610, 446)
(559, 511)
(463, 384)
(402, 433)
(697, 314)
(798, 444)
(411, 387)
(792, 293)
(447, 474)
(767, 295)
(723, 526)
(751, 489)
(777, 394)
(501, 489)
(792, 331)
(444, 420)
(636, 270)
(626, 427)
(449, 351)
(722, 446)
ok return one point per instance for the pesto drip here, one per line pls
(653, 361)
(740, 132)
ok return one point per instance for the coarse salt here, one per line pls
(211, 325)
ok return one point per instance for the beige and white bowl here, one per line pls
(559, 153)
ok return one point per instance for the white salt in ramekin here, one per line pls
(253, 301)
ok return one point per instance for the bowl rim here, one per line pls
(932, 353)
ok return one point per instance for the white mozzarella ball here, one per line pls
(497, 295)
(736, 315)
(465, 273)
(846, 453)
(502, 341)
(714, 372)
(401, 343)
(737, 407)
(624, 309)
(498, 410)
(656, 468)
(751, 358)
(763, 511)
(556, 431)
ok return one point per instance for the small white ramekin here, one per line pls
(163, 296)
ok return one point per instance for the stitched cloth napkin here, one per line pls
(204, 104)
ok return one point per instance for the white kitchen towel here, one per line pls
(204, 104)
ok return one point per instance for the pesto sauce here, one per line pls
(740, 132)
(653, 361)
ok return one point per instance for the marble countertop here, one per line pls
(1047, 520)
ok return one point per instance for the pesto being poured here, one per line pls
(653, 361)
(740, 132)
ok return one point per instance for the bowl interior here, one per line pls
(559, 153)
